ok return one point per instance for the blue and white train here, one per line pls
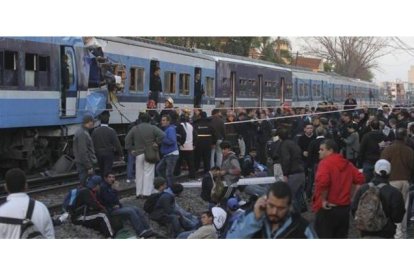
(47, 84)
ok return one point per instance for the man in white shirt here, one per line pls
(16, 207)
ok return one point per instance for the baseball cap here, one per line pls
(382, 165)
(232, 203)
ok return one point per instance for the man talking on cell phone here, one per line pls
(272, 218)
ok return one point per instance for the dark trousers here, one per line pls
(202, 152)
(83, 173)
(105, 162)
(197, 101)
(333, 223)
(188, 156)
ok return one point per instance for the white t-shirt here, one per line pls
(16, 207)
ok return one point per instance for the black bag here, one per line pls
(152, 154)
(151, 202)
(27, 229)
(181, 135)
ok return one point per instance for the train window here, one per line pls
(30, 69)
(10, 60)
(44, 71)
(184, 84)
(306, 94)
(301, 90)
(209, 87)
(1, 68)
(314, 90)
(170, 82)
(274, 87)
(318, 90)
(137, 76)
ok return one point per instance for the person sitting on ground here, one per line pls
(272, 218)
(230, 168)
(88, 211)
(206, 231)
(109, 197)
(166, 213)
(17, 205)
(252, 168)
(234, 212)
(391, 200)
(207, 184)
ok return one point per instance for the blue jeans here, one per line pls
(135, 216)
(368, 171)
(166, 166)
(188, 220)
(131, 166)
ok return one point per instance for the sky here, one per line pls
(392, 66)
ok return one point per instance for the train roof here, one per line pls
(147, 43)
(57, 40)
(245, 60)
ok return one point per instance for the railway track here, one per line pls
(39, 185)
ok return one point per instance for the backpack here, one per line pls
(151, 202)
(217, 191)
(273, 150)
(27, 229)
(181, 135)
(370, 215)
(70, 200)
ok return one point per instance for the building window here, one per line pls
(184, 84)
(137, 76)
(170, 82)
(209, 87)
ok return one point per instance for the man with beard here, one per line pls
(271, 218)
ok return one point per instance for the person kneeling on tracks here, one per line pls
(88, 211)
(109, 197)
(272, 218)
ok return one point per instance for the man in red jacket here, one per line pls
(334, 182)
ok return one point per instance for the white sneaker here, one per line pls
(128, 181)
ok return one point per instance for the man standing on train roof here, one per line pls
(155, 86)
(350, 103)
(198, 90)
(83, 149)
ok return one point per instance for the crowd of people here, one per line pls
(356, 163)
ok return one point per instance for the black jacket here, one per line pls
(218, 125)
(106, 141)
(313, 151)
(392, 204)
(369, 150)
(87, 203)
(206, 187)
(205, 132)
(291, 158)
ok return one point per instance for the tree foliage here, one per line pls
(273, 50)
(354, 57)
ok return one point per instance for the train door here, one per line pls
(260, 91)
(233, 88)
(69, 83)
(282, 90)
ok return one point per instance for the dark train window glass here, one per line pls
(137, 77)
(44, 63)
(301, 90)
(184, 84)
(306, 94)
(170, 82)
(10, 60)
(31, 62)
(314, 90)
(1, 67)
